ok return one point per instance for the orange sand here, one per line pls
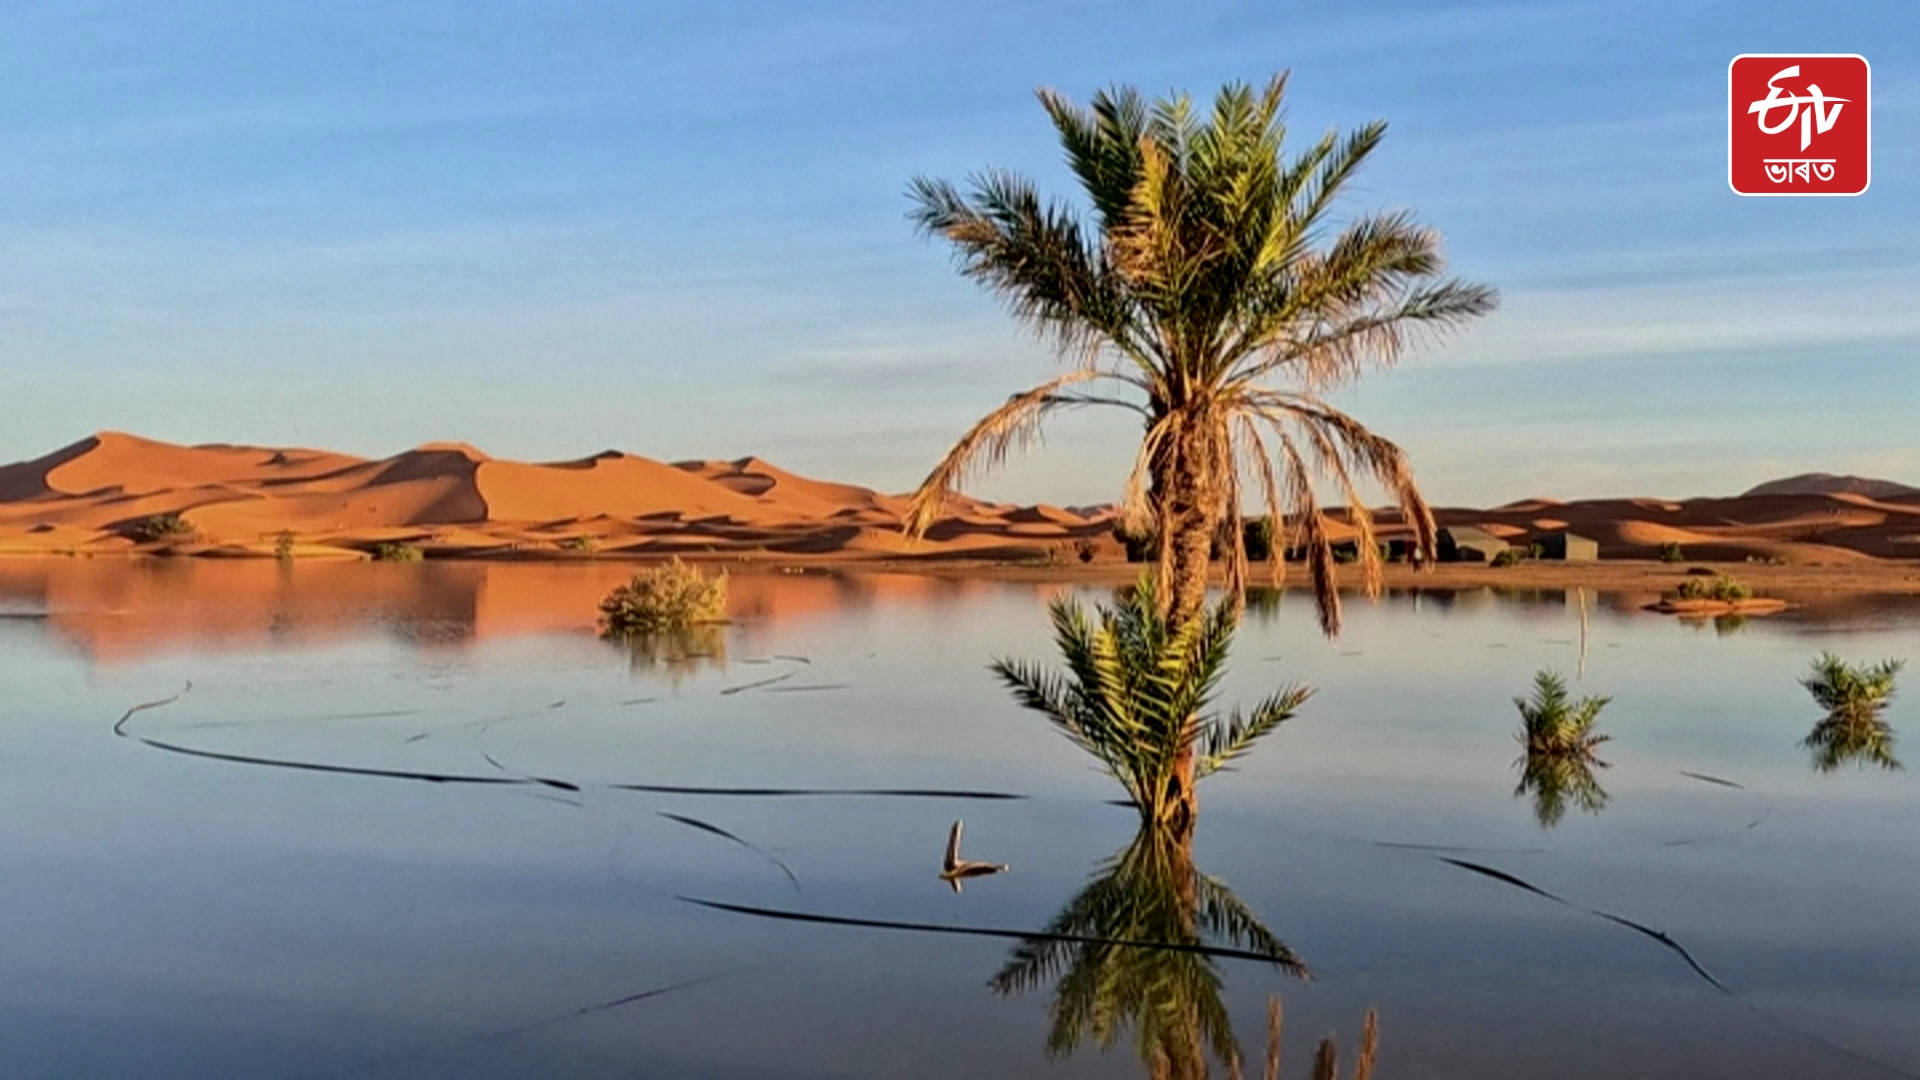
(450, 499)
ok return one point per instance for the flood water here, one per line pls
(508, 885)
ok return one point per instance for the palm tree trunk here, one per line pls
(1188, 518)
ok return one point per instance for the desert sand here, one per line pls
(451, 500)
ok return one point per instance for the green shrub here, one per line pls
(283, 545)
(1509, 557)
(1346, 555)
(1672, 552)
(1552, 723)
(578, 543)
(1720, 587)
(158, 527)
(1257, 537)
(396, 552)
(1142, 545)
(670, 597)
(1853, 690)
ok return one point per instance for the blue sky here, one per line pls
(552, 227)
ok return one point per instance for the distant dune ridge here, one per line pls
(450, 499)
(1819, 483)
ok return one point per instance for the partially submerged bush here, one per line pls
(1851, 691)
(1719, 587)
(1509, 557)
(283, 545)
(1136, 694)
(664, 598)
(158, 527)
(1561, 750)
(1552, 723)
(1672, 552)
(396, 552)
(1257, 537)
(584, 544)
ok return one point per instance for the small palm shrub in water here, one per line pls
(1136, 691)
(674, 596)
(1849, 690)
(1553, 724)
(1853, 696)
(1561, 750)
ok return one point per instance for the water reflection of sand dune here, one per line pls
(117, 610)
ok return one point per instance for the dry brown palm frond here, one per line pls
(987, 444)
(1369, 1046)
(1136, 510)
(1326, 1061)
(1373, 573)
(1313, 533)
(1274, 1018)
(1270, 491)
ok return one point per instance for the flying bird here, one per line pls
(954, 869)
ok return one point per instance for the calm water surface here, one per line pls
(172, 914)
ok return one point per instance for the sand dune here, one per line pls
(452, 500)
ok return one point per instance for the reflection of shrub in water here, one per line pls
(1561, 747)
(1853, 695)
(670, 597)
(1836, 742)
(678, 653)
(1558, 782)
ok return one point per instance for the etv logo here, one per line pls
(1798, 125)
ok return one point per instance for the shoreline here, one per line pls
(1613, 575)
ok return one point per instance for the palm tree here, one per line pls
(1211, 293)
(1135, 692)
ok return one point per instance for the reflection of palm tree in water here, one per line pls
(1169, 995)
(1557, 782)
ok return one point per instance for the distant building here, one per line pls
(1464, 543)
(1567, 547)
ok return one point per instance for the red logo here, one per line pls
(1798, 125)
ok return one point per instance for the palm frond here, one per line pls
(988, 443)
